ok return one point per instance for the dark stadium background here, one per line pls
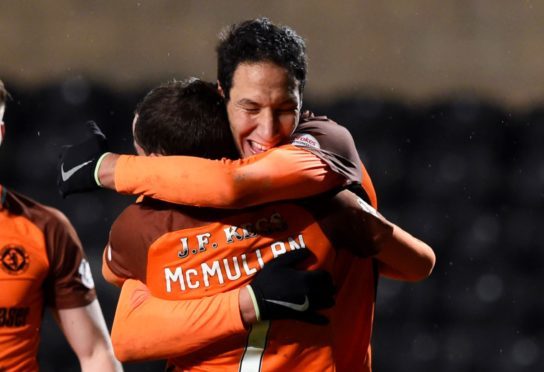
(461, 169)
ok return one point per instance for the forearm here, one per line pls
(146, 327)
(87, 334)
(247, 307)
(101, 360)
(404, 257)
(280, 174)
(360, 228)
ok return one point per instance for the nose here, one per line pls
(268, 126)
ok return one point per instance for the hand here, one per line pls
(284, 292)
(77, 163)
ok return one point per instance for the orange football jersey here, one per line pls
(317, 147)
(41, 264)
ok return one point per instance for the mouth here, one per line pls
(257, 148)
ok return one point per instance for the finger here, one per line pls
(319, 280)
(61, 188)
(94, 130)
(324, 301)
(313, 318)
(320, 288)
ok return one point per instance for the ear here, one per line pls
(2, 131)
(220, 89)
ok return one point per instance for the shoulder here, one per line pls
(55, 217)
(131, 214)
(144, 222)
(150, 217)
(143, 215)
(130, 224)
(324, 134)
(321, 125)
(332, 143)
(45, 217)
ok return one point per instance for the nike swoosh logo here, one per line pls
(66, 175)
(297, 307)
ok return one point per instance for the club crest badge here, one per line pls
(14, 260)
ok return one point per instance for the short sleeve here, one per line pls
(332, 143)
(69, 283)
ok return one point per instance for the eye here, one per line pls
(251, 110)
(288, 110)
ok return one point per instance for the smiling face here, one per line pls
(263, 107)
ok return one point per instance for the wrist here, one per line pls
(248, 308)
(97, 167)
(105, 170)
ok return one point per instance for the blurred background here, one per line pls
(444, 99)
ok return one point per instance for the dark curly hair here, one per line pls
(260, 40)
(184, 118)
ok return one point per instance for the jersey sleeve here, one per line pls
(332, 143)
(107, 272)
(283, 173)
(369, 192)
(69, 283)
(145, 327)
(350, 223)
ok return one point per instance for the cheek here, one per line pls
(288, 124)
(241, 125)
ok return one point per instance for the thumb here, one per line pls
(94, 130)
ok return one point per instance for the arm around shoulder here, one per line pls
(221, 183)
